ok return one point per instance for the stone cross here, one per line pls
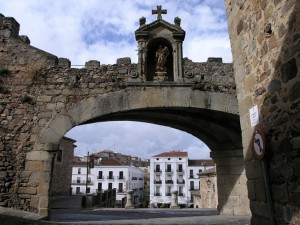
(159, 11)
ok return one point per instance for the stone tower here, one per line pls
(159, 50)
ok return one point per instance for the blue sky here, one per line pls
(104, 30)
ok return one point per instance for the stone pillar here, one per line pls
(174, 203)
(129, 204)
(231, 182)
(39, 164)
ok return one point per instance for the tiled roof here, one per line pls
(106, 151)
(103, 162)
(201, 162)
(172, 154)
(207, 172)
(110, 162)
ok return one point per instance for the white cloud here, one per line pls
(134, 138)
(104, 31)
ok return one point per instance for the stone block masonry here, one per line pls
(265, 45)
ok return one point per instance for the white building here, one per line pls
(108, 173)
(171, 171)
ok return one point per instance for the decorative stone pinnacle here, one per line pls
(159, 11)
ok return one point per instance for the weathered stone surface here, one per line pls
(288, 70)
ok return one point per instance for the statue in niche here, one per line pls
(161, 58)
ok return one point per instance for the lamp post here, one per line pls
(87, 172)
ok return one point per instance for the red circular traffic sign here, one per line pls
(259, 144)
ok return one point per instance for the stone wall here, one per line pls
(62, 168)
(37, 87)
(265, 44)
(207, 197)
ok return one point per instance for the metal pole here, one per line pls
(87, 171)
(268, 192)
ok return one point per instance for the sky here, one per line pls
(104, 30)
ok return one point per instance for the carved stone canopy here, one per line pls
(153, 64)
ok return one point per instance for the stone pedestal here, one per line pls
(160, 76)
(129, 204)
(174, 203)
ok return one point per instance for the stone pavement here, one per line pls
(68, 211)
(122, 216)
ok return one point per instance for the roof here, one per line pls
(176, 30)
(68, 139)
(110, 162)
(103, 162)
(201, 162)
(172, 154)
(211, 171)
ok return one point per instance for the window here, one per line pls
(109, 186)
(191, 174)
(100, 175)
(192, 185)
(168, 167)
(200, 171)
(157, 193)
(168, 158)
(78, 180)
(99, 186)
(179, 167)
(89, 180)
(77, 190)
(110, 176)
(157, 168)
(59, 155)
(180, 190)
(121, 175)
(157, 159)
(79, 170)
(88, 190)
(120, 187)
(179, 158)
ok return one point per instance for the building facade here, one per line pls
(173, 171)
(108, 173)
(62, 167)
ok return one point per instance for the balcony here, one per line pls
(194, 189)
(81, 182)
(157, 194)
(110, 178)
(169, 181)
(134, 178)
(169, 171)
(157, 181)
(180, 171)
(100, 177)
(168, 194)
(157, 171)
(180, 182)
(120, 191)
(192, 176)
(180, 194)
(121, 178)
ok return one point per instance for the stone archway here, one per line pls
(170, 107)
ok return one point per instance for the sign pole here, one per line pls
(259, 150)
(268, 191)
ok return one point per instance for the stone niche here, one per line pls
(159, 38)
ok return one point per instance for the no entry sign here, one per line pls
(259, 144)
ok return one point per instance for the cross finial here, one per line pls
(159, 11)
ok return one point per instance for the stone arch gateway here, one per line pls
(38, 90)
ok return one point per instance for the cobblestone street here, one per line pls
(68, 211)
